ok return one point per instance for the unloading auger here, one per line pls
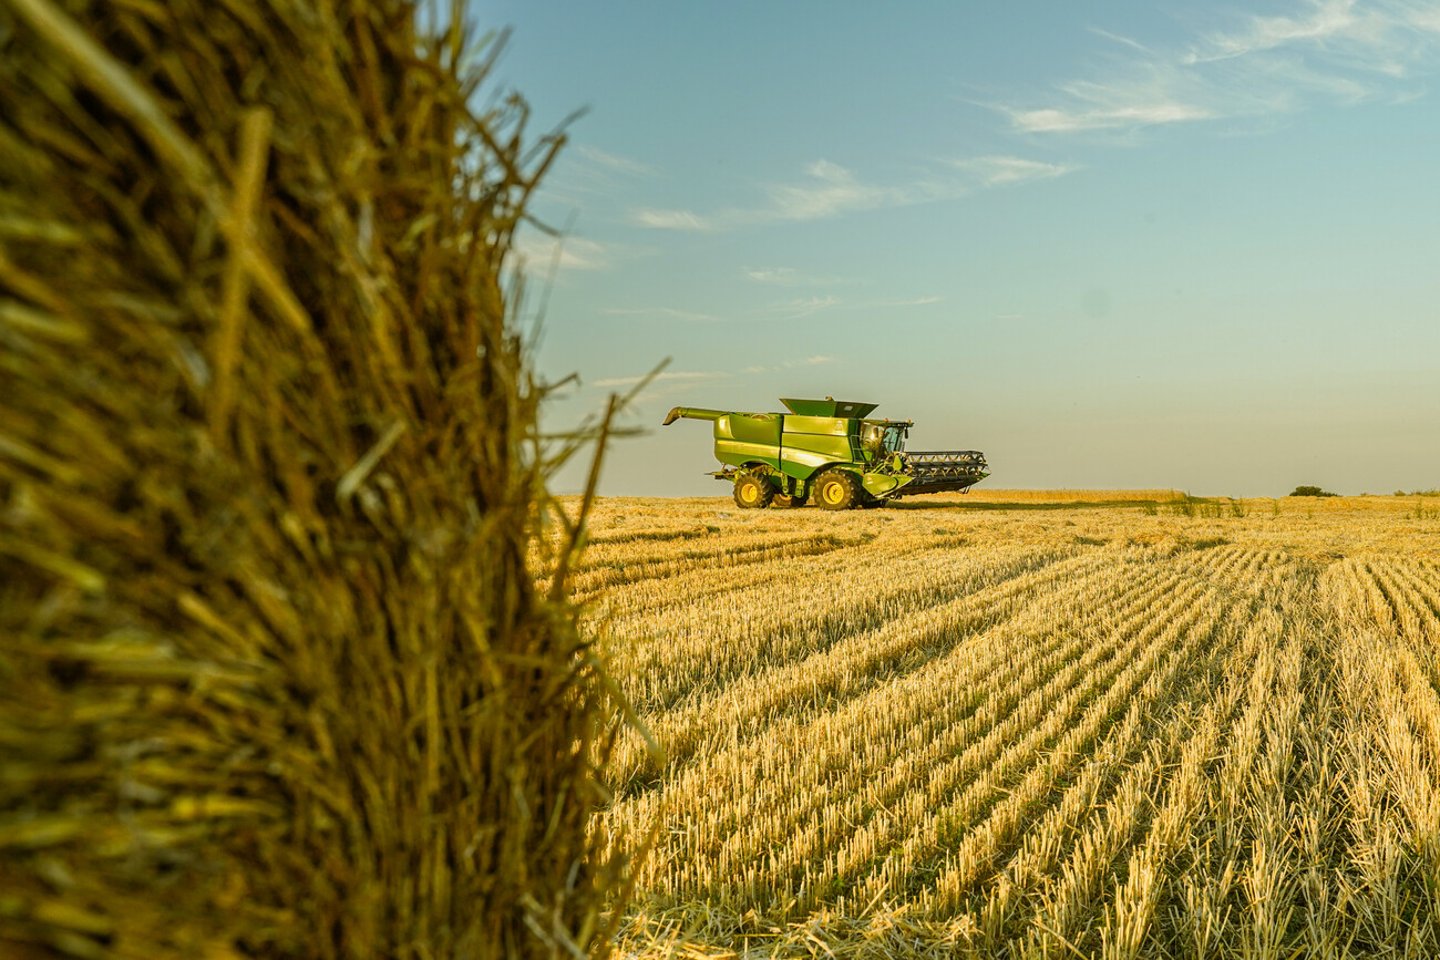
(829, 450)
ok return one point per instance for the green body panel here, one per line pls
(803, 455)
(749, 428)
(737, 454)
(746, 438)
(809, 444)
(817, 426)
(881, 484)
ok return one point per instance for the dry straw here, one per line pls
(274, 678)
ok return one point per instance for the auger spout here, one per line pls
(692, 413)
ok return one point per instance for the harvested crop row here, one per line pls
(1006, 734)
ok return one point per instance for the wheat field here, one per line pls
(1129, 724)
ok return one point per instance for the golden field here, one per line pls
(1039, 724)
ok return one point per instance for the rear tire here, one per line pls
(752, 493)
(837, 490)
(785, 500)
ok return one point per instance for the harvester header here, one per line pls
(831, 449)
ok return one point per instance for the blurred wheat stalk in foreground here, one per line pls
(276, 680)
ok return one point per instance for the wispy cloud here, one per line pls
(669, 376)
(998, 171)
(538, 251)
(686, 220)
(791, 277)
(1121, 39)
(829, 190)
(784, 276)
(793, 308)
(1098, 114)
(911, 302)
(826, 190)
(816, 360)
(801, 307)
(585, 173)
(660, 313)
(685, 377)
(1369, 35)
(614, 162)
(1426, 19)
(1254, 66)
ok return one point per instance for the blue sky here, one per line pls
(1110, 244)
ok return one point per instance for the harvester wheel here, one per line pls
(752, 493)
(837, 490)
(787, 500)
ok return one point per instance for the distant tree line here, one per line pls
(1308, 491)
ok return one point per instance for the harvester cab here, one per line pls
(882, 438)
(829, 450)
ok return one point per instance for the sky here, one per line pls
(1112, 245)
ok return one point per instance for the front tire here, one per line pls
(785, 500)
(752, 493)
(837, 490)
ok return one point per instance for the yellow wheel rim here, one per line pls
(834, 492)
(749, 493)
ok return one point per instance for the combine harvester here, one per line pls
(827, 448)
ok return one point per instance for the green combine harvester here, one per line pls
(828, 449)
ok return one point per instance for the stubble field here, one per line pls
(1043, 724)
